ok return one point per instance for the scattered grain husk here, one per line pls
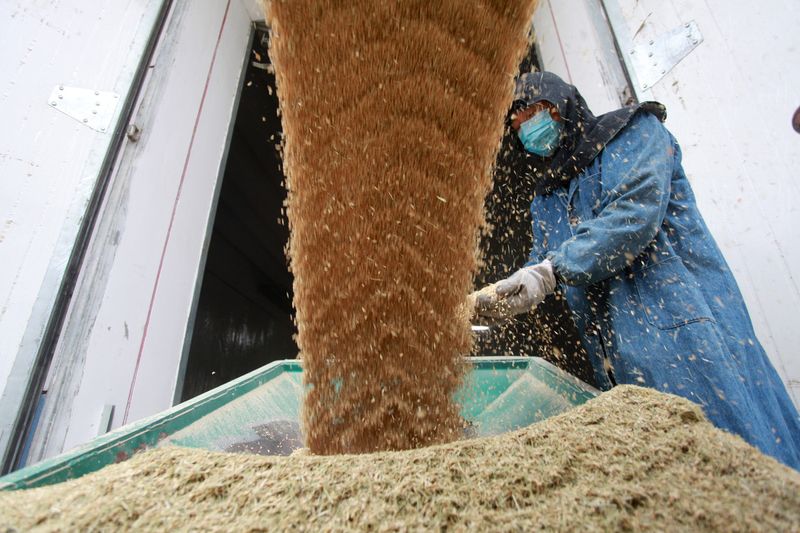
(392, 114)
(631, 459)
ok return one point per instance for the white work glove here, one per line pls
(517, 294)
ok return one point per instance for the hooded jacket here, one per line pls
(583, 137)
(651, 294)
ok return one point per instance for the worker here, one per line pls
(617, 233)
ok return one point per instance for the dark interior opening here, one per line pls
(244, 312)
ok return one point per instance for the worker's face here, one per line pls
(524, 114)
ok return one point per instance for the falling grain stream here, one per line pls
(393, 114)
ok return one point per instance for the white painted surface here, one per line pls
(124, 334)
(574, 41)
(49, 162)
(254, 9)
(730, 104)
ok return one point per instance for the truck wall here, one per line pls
(124, 336)
(49, 162)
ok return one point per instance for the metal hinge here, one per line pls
(653, 59)
(90, 107)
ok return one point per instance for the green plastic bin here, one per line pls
(259, 413)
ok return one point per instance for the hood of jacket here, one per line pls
(583, 136)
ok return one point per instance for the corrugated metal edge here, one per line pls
(624, 43)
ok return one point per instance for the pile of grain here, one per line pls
(392, 113)
(631, 459)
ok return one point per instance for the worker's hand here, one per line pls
(486, 305)
(517, 294)
(485, 309)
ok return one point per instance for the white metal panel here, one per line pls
(45, 157)
(574, 41)
(730, 105)
(123, 338)
(49, 163)
(254, 9)
(184, 259)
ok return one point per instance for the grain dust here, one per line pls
(632, 459)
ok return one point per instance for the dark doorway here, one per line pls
(244, 312)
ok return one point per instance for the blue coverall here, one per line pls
(653, 298)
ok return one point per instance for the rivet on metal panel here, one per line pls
(664, 52)
(77, 103)
(133, 133)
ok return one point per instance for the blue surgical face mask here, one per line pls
(540, 134)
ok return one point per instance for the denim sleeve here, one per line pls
(636, 171)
